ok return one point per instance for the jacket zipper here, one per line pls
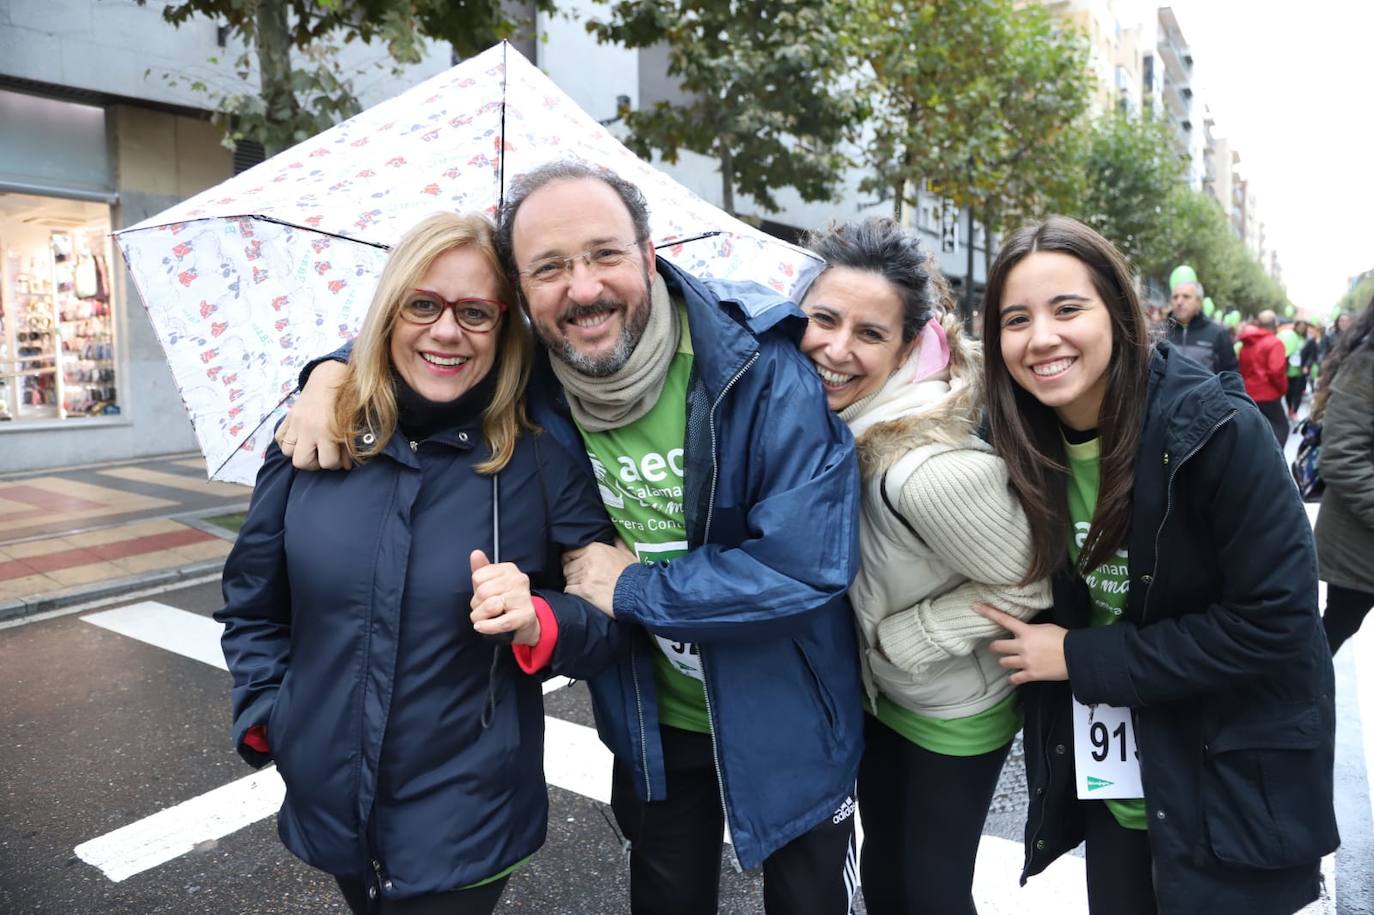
(715, 461)
(1169, 507)
(705, 538)
(639, 707)
(715, 758)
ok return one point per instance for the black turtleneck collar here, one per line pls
(419, 418)
(1078, 436)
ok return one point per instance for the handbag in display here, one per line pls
(1306, 470)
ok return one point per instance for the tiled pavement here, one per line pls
(77, 533)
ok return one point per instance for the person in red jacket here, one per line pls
(1264, 366)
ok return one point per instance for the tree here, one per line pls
(975, 98)
(1025, 164)
(1130, 177)
(296, 102)
(931, 82)
(762, 85)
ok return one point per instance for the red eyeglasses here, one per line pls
(477, 315)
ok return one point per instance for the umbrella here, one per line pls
(247, 281)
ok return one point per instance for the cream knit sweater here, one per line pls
(923, 645)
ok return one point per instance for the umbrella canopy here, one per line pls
(246, 282)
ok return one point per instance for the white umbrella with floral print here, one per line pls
(247, 281)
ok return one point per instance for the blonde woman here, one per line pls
(410, 743)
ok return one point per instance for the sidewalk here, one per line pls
(77, 534)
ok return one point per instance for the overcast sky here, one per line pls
(1289, 84)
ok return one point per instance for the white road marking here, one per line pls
(554, 683)
(1061, 887)
(1362, 643)
(177, 830)
(576, 760)
(182, 632)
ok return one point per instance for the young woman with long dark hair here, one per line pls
(1185, 591)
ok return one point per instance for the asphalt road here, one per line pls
(116, 745)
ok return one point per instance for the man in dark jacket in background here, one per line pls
(1197, 336)
(1264, 367)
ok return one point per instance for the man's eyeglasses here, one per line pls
(476, 315)
(548, 270)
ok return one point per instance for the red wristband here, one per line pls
(533, 658)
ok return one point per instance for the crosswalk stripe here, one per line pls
(182, 632)
(173, 832)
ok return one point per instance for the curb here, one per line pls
(17, 608)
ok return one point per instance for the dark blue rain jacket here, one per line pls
(771, 486)
(347, 632)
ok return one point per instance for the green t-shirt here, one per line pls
(972, 735)
(1108, 584)
(639, 473)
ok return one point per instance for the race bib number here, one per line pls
(1106, 762)
(684, 656)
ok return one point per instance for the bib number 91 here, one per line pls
(1106, 761)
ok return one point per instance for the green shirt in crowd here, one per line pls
(1108, 584)
(639, 473)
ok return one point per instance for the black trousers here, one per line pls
(1297, 385)
(1278, 419)
(675, 844)
(1345, 611)
(1119, 864)
(479, 900)
(923, 818)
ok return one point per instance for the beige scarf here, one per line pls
(617, 400)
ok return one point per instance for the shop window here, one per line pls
(57, 311)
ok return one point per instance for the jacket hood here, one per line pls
(949, 420)
(1253, 334)
(725, 318)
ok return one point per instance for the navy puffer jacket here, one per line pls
(347, 632)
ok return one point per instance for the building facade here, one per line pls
(103, 129)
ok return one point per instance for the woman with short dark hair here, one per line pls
(939, 530)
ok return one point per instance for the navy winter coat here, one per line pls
(771, 489)
(1220, 654)
(347, 632)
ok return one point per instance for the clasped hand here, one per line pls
(501, 600)
(590, 572)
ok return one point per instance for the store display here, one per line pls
(86, 326)
(57, 325)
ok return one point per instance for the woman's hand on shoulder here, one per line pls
(306, 436)
(501, 600)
